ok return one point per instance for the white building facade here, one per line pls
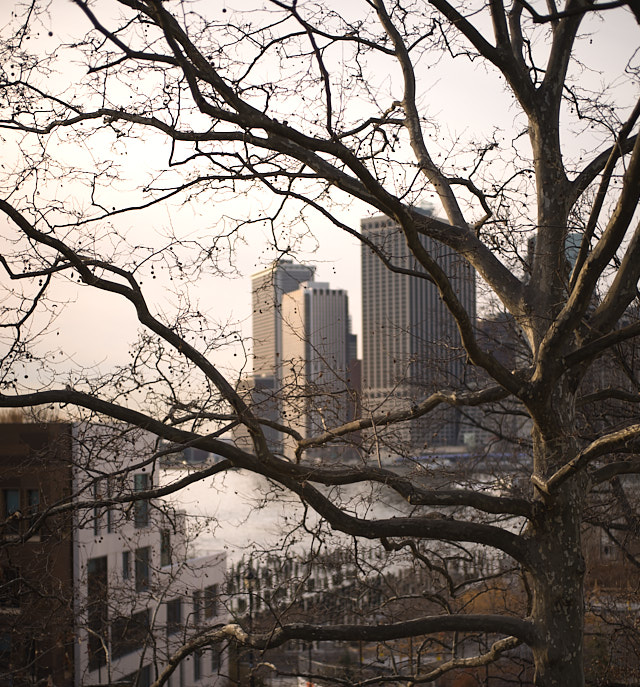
(137, 594)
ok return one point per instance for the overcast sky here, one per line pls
(464, 98)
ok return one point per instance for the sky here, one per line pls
(467, 101)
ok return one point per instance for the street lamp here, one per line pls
(249, 580)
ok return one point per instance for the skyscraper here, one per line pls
(411, 345)
(303, 352)
(263, 389)
(315, 350)
(267, 289)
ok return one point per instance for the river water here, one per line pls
(239, 511)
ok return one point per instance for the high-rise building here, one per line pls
(262, 389)
(304, 354)
(411, 346)
(315, 354)
(267, 289)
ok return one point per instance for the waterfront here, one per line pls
(241, 513)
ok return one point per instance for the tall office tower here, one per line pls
(316, 345)
(411, 346)
(263, 389)
(268, 287)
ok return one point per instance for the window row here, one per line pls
(19, 509)
(205, 605)
(103, 516)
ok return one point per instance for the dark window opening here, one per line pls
(10, 587)
(11, 510)
(141, 508)
(197, 607)
(143, 560)
(129, 634)
(197, 664)
(165, 547)
(5, 651)
(33, 504)
(216, 659)
(126, 565)
(96, 510)
(174, 616)
(97, 611)
(109, 494)
(211, 601)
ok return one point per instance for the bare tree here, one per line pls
(289, 98)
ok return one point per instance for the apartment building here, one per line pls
(103, 593)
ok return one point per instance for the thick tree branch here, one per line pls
(624, 439)
(624, 288)
(605, 163)
(471, 398)
(570, 11)
(438, 528)
(602, 344)
(494, 624)
(622, 467)
(600, 256)
(434, 671)
(417, 495)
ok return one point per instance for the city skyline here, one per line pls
(410, 343)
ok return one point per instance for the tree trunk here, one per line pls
(558, 574)
(557, 593)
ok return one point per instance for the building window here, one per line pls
(11, 506)
(5, 652)
(141, 508)
(102, 491)
(97, 611)
(109, 484)
(126, 565)
(143, 560)
(129, 634)
(216, 659)
(197, 664)
(96, 510)
(10, 587)
(33, 504)
(174, 616)
(165, 547)
(211, 601)
(197, 607)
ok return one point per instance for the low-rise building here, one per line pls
(95, 590)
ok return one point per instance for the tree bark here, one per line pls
(558, 572)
